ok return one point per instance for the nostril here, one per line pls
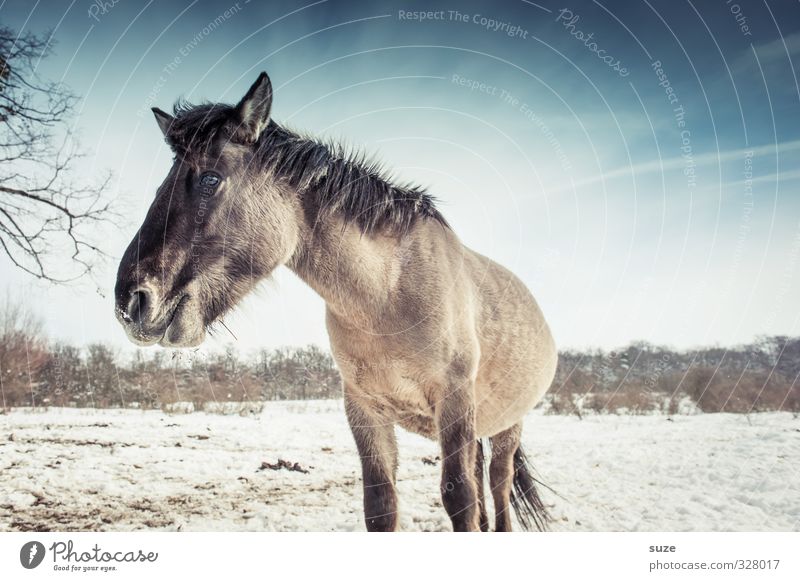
(139, 305)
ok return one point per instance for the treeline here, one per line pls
(640, 378)
(760, 376)
(36, 373)
(63, 375)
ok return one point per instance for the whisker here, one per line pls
(235, 338)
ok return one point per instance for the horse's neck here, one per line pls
(353, 272)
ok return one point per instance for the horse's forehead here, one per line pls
(219, 153)
(192, 159)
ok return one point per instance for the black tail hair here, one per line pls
(528, 506)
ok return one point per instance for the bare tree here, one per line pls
(23, 353)
(46, 211)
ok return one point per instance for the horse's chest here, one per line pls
(390, 390)
(407, 408)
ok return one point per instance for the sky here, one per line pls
(635, 163)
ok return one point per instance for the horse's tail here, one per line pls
(528, 506)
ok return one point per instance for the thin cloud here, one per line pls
(657, 166)
(773, 56)
(777, 49)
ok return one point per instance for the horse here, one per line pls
(426, 333)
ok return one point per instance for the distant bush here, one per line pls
(751, 391)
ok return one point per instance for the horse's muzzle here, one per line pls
(138, 311)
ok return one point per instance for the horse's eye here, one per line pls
(209, 181)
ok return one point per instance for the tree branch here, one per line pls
(44, 209)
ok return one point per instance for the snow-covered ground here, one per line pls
(67, 469)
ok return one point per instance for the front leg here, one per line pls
(455, 416)
(377, 447)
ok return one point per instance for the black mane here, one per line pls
(341, 182)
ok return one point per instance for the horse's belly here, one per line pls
(501, 398)
(495, 414)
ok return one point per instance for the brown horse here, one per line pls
(426, 333)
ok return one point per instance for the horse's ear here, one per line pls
(253, 110)
(163, 119)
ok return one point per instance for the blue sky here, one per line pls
(629, 216)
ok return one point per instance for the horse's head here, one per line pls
(216, 227)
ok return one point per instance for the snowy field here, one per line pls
(67, 469)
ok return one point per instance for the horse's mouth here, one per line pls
(181, 326)
(179, 302)
(185, 326)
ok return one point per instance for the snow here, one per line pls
(70, 469)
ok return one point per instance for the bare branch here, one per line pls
(49, 215)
